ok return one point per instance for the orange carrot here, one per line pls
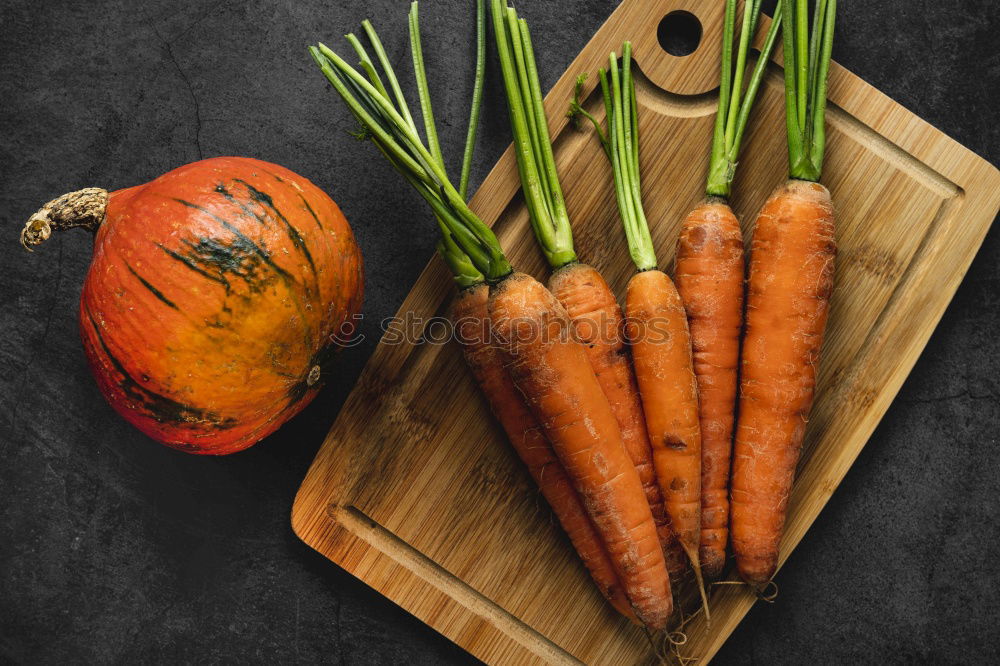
(551, 369)
(788, 295)
(710, 283)
(657, 324)
(661, 351)
(710, 269)
(525, 434)
(598, 324)
(580, 288)
(791, 278)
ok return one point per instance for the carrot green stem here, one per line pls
(576, 110)
(741, 64)
(477, 98)
(390, 74)
(391, 127)
(462, 267)
(756, 78)
(821, 79)
(735, 103)
(622, 147)
(719, 168)
(819, 11)
(807, 69)
(535, 159)
(463, 270)
(367, 64)
(423, 90)
(801, 46)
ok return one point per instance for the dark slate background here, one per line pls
(115, 549)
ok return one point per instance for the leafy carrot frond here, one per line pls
(423, 90)
(577, 111)
(535, 160)
(462, 266)
(735, 103)
(807, 69)
(477, 98)
(622, 149)
(361, 133)
(383, 112)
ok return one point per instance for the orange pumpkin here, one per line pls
(215, 298)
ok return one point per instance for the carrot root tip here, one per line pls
(696, 567)
(674, 641)
(768, 592)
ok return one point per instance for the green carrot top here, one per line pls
(621, 145)
(735, 103)
(463, 270)
(535, 160)
(807, 68)
(468, 246)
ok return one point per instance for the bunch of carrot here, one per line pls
(539, 382)
(628, 433)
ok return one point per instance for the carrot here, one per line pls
(598, 323)
(525, 434)
(581, 429)
(791, 278)
(710, 284)
(789, 287)
(472, 329)
(589, 302)
(710, 270)
(552, 371)
(661, 349)
(657, 324)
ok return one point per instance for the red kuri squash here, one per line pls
(216, 295)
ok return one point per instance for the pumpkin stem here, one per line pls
(83, 208)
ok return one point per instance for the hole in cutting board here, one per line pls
(679, 33)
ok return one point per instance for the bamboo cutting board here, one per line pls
(415, 490)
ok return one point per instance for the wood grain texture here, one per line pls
(415, 490)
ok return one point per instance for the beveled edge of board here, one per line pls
(905, 134)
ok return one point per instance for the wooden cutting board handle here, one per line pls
(694, 74)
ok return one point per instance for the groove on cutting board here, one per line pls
(890, 152)
(362, 526)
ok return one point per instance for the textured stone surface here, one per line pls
(114, 549)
